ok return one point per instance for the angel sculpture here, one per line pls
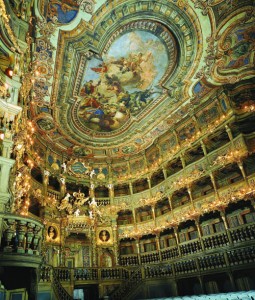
(93, 203)
(94, 209)
(65, 204)
(93, 172)
(62, 180)
(91, 214)
(77, 212)
(64, 167)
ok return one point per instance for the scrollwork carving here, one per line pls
(87, 5)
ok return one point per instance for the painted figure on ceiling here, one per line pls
(63, 11)
(122, 85)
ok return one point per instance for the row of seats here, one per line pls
(250, 295)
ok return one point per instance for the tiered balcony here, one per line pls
(201, 261)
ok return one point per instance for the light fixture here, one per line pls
(1, 135)
(9, 72)
(230, 157)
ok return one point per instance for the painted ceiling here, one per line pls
(114, 76)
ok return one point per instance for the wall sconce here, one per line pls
(1, 135)
(9, 71)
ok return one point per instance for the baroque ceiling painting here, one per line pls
(124, 82)
(62, 11)
(126, 73)
(127, 148)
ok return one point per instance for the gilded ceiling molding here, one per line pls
(78, 46)
(42, 64)
(86, 5)
(190, 213)
(8, 28)
(230, 51)
(70, 34)
(206, 5)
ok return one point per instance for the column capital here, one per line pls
(4, 198)
(5, 161)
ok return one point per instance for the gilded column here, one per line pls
(190, 196)
(177, 239)
(240, 165)
(203, 148)
(149, 184)
(92, 190)
(229, 132)
(182, 160)
(94, 248)
(170, 202)
(115, 242)
(131, 188)
(214, 185)
(164, 172)
(111, 191)
(46, 175)
(158, 247)
(153, 213)
(134, 214)
(224, 219)
(199, 233)
(194, 118)
(62, 181)
(138, 250)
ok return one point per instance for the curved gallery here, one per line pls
(127, 147)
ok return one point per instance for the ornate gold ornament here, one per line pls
(231, 156)
(6, 22)
(72, 203)
(104, 236)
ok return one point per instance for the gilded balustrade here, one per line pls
(182, 178)
(132, 276)
(245, 232)
(57, 286)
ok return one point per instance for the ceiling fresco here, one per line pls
(119, 81)
(63, 11)
(124, 82)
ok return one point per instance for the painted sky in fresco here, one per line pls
(124, 82)
(142, 42)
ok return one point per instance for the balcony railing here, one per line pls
(190, 247)
(129, 277)
(21, 235)
(217, 240)
(243, 233)
(172, 263)
(237, 235)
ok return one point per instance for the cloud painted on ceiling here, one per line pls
(123, 82)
